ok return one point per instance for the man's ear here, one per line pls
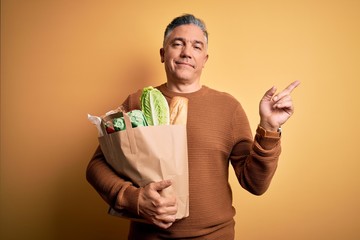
(206, 58)
(162, 52)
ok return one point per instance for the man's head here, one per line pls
(183, 20)
(184, 51)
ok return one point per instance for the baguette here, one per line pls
(178, 110)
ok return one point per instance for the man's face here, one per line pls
(184, 54)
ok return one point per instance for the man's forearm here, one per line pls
(117, 192)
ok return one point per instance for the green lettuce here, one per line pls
(154, 107)
(137, 119)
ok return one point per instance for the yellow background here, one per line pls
(63, 59)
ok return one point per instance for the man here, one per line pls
(218, 134)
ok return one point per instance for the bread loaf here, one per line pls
(178, 110)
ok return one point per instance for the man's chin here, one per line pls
(185, 79)
(185, 75)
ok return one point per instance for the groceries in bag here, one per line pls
(146, 147)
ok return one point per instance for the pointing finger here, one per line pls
(287, 90)
(292, 86)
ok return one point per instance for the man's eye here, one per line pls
(198, 47)
(177, 44)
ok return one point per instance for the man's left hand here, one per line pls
(275, 110)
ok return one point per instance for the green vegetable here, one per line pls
(137, 118)
(119, 124)
(154, 107)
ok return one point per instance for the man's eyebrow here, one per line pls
(178, 39)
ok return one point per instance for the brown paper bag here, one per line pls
(151, 154)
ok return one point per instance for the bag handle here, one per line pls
(130, 133)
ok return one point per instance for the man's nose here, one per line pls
(186, 51)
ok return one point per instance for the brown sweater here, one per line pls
(218, 134)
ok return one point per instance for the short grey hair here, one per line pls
(184, 20)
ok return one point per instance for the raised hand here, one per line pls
(157, 209)
(275, 110)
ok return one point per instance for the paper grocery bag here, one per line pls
(150, 154)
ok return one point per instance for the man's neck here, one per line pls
(183, 87)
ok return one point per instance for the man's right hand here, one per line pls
(156, 208)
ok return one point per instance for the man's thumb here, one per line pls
(269, 93)
(158, 186)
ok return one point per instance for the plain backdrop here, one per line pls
(63, 59)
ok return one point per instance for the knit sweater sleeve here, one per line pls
(119, 193)
(253, 159)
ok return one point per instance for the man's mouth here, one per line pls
(184, 63)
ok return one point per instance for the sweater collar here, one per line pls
(168, 93)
